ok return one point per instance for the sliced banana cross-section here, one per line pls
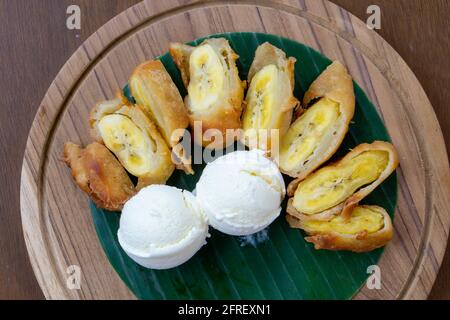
(302, 141)
(339, 187)
(319, 131)
(104, 108)
(207, 77)
(269, 101)
(368, 228)
(215, 91)
(261, 98)
(130, 144)
(128, 132)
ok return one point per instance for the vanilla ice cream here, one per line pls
(162, 227)
(241, 192)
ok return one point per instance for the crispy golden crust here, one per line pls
(224, 114)
(360, 242)
(267, 54)
(335, 84)
(163, 166)
(347, 206)
(99, 174)
(153, 88)
(180, 54)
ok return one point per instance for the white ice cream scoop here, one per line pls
(162, 227)
(241, 192)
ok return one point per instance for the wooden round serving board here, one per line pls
(58, 236)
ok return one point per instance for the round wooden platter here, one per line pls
(57, 225)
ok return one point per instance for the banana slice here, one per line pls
(104, 108)
(303, 137)
(261, 98)
(368, 228)
(319, 131)
(135, 140)
(153, 89)
(207, 77)
(215, 91)
(339, 187)
(269, 101)
(129, 143)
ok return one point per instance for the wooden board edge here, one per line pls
(29, 193)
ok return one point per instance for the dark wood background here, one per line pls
(35, 43)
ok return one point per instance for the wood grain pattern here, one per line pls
(409, 264)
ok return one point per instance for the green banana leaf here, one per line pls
(277, 263)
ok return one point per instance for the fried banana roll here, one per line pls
(319, 131)
(270, 101)
(368, 228)
(153, 89)
(136, 142)
(98, 173)
(337, 188)
(215, 91)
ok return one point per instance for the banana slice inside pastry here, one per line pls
(304, 136)
(207, 77)
(340, 186)
(129, 133)
(269, 101)
(368, 228)
(261, 98)
(103, 108)
(153, 89)
(215, 91)
(331, 186)
(319, 131)
(129, 143)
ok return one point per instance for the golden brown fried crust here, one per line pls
(360, 242)
(347, 206)
(225, 114)
(99, 174)
(166, 109)
(180, 54)
(336, 84)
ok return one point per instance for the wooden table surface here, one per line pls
(35, 43)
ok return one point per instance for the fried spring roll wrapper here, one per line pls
(270, 100)
(99, 174)
(153, 89)
(319, 130)
(368, 228)
(215, 91)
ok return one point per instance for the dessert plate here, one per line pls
(60, 233)
(279, 264)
